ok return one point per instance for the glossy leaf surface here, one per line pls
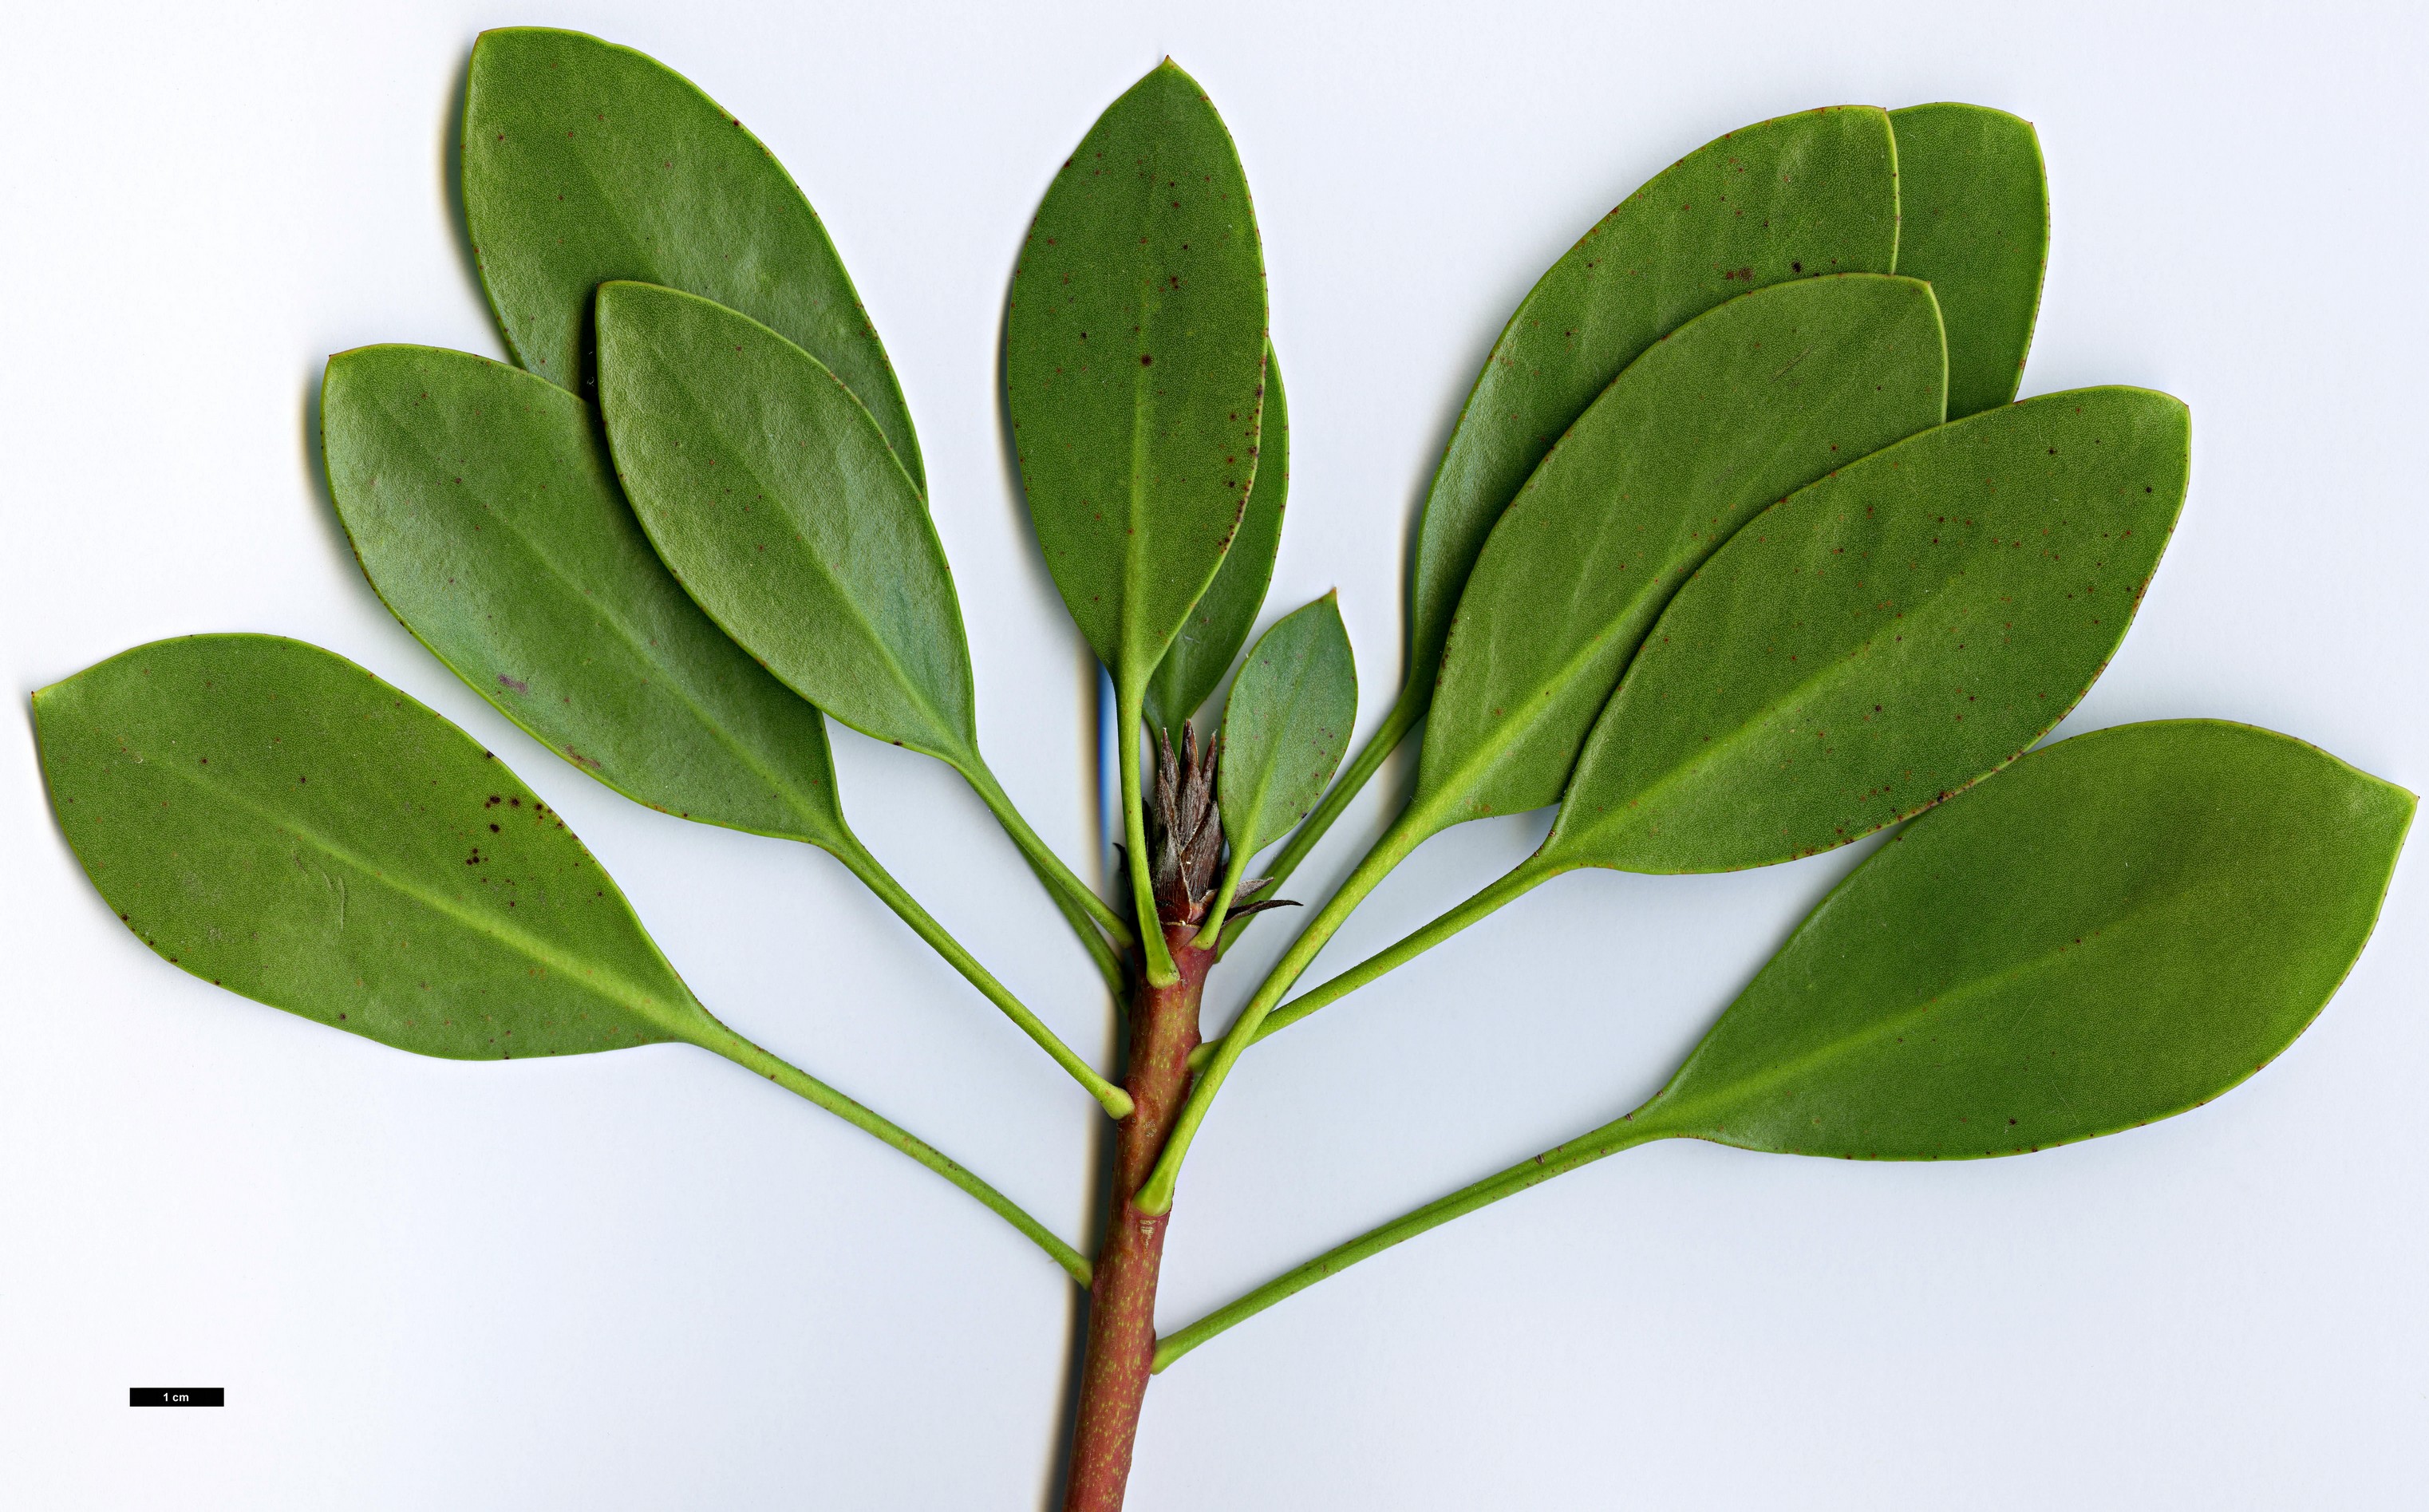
(1973, 222)
(1133, 366)
(1725, 416)
(767, 488)
(281, 823)
(1286, 725)
(2122, 927)
(1876, 642)
(585, 162)
(483, 507)
(1793, 197)
(1220, 623)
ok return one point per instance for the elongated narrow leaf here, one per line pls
(1218, 626)
(1873, 642)
(2124, 926)
(767, 488)
(585, 162)
(1285, 726)
(1135, 364)
(1793, 197)
(1973, 222)
(281, 823)
(1734, 410)
(482, 508)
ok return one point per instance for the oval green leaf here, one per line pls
(1973, 222)
(1793, 197)
(1218, 625)
(1135, 354)
(482, 508)
(585, 162)
(2120, 928)
(1725, 416)
(1286, 725)
(1873, 642)
(277, 821)
(768, 489)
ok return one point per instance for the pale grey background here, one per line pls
(645, 1280)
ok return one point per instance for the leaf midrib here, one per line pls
(638, 644)
(670, 677)
(960, 753)
(1702, 757)
(1257, 840)
(1845, 1045)
(594, 979)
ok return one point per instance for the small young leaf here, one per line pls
(1284, 728)
(1973, 222)
(585, 162)
(2122, 927)
(1732, 411)
(1218, 626)
(1876, 642)
(482, 508)
(281, 823)
(1793, 197)
(1134, 356)
(766, 487)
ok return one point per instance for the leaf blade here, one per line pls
(463, 919)
(1135, 473)
(1285, 727)
(1973, 222)
(2122, 927)
(585, 162)
(482, 505)
(1883, 637)
(769, 493)
(1732, 411)
(1819, 194)
(1219, 622)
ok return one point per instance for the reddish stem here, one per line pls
(1121, 1302)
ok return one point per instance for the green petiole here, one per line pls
(1609, 1140)
(1115, 1102)
(734, 1047)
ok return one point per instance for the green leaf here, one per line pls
(482, 508)
(1863, 649)
(1876, 642)
(1284, 728)
(1793, 197)
(1732, 411)
(1134, 356)
(2120, 928)
(277, 821)
(768, 492)
(768, 489)
(1973, 222)
(1219, 625)
(1133, 370)
(585, 162)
